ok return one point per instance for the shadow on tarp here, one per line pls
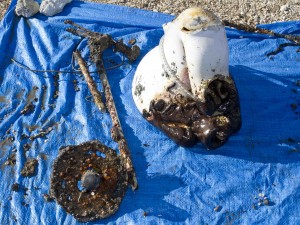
(270, 126)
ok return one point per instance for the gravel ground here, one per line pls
(244, 11)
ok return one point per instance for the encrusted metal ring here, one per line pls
(74, 163)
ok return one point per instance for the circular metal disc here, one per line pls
(71, 163)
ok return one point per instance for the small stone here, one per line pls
(285, 7)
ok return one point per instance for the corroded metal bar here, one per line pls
(89, 80)
(116, 130)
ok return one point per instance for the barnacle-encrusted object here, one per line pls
(27, 8)
(53, 7)
(183, 85)
(89, 180)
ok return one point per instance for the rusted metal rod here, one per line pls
(116, 130)
(89, 80)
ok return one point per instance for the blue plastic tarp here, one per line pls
(176, 185)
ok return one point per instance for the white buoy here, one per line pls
(188, 66)
(193, 50)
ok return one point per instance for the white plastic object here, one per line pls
(193, 50)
